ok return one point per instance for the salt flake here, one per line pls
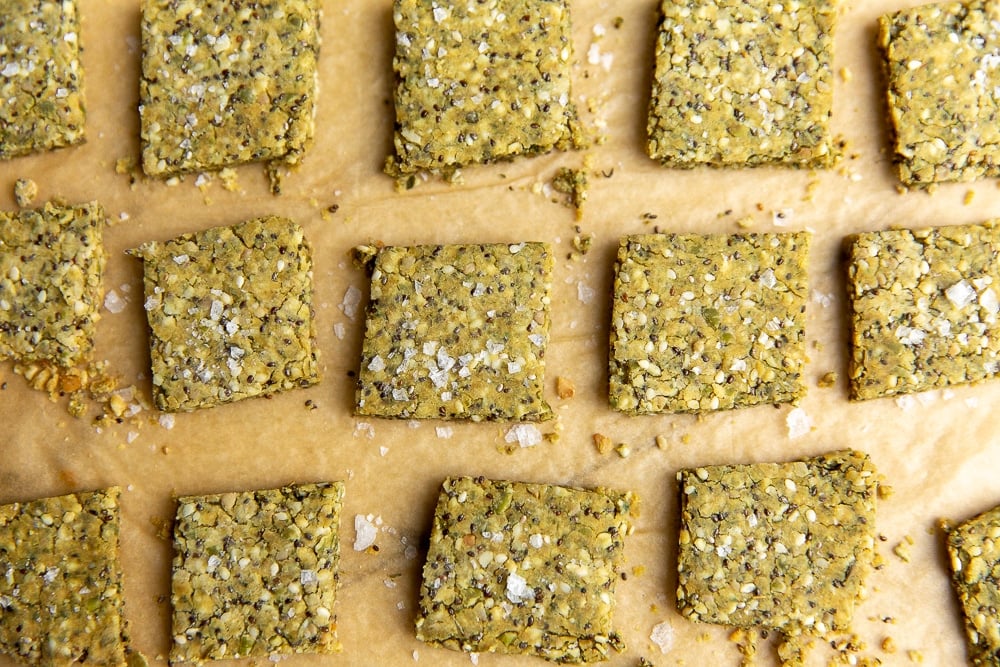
(114, 303)
(365, 532)
(961, 294)
(518, 590)
(351, 301)
(663, 636)
(526, 435)
(798, 422)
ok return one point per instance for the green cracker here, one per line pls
(778, 546)
(524, 568)
(255, 573)
(703, 323)
(974, 549)
(480, 81)
(457, 332)
(41, 78)
(226, 83)
(230, 313)
(742, 83)
(924, 308)
(51, 266)
(61, 581)
(942, 74)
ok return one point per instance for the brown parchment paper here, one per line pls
(939, 451)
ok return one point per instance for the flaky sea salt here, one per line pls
(518, 590)
(113, 302)
(961, 294)
(526, 435)
(365, 532)
(663, 636)
(351, 301)
(798, 422)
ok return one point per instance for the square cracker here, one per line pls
(480, 81)
(743, 82)
(230, 313)
(702, 323)
(457, 332)
(974, 550)
(255, 573)
(924, 308)
(61, 596)
(941, 62)
(51, 267)
(225, 83)
(782, 546)
(524, 568)
(41, 78)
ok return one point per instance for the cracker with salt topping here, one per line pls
(924, 306)
(255, 573)
(51, 282)
(777, 546)
(708, 322)
(941, 62)
(457, 332)
(226, 83)
(524, 568)
(974, 551)
(230, 313)
(41, 78)
(480, 82)
(741, 83)
(61, 581)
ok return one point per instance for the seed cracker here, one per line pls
(941, 62)
(702, 323)
(457, 332)
(974, 549)
(524, 568)
(778, 546)
(924, 308)
(255, 573)
(51, 289)
(742, 83)
(480, 82)
(230, 313)
(41, 78)
(226, 83)
(61, 581)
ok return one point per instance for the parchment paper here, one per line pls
(939, 451)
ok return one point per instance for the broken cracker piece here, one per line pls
(51, 291)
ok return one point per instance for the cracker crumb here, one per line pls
(25, 191)
(623, 450)
(602, 443)
(661, 442)
(565, 388)
(827, 380)
(902, 550)
(889, 645)
(915, 656)
(846, 74)
(969, 196)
